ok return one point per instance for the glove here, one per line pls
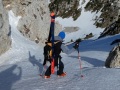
(76, 45)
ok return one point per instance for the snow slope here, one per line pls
(21, 65)
(85, 23)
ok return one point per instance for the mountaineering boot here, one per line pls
(62, 75)
(46, 77)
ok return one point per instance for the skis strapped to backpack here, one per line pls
(51, 39)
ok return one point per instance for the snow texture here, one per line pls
(21, 65)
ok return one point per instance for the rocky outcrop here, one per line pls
(109, 10)
(66, 8)
(109, 15)
(71, 29)
(112, 29)
(5, 41)
(35, 21)
(113, 59)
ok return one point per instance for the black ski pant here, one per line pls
(60, 67)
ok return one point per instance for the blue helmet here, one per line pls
(62, 35)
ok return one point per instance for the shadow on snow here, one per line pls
(36, 62)
(8, 77)
(92, 61)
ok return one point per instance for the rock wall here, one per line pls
(5, 41)
(35, 21)
(109, 18)
(109, 11)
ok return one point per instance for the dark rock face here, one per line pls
(66, 8)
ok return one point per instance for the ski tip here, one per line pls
(52, 14)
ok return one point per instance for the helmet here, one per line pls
(62, 34)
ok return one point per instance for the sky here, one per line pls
(21, 65)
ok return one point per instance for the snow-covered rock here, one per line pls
(113, 60)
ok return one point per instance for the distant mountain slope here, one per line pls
(112, 29)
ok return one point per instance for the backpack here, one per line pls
(48, 49)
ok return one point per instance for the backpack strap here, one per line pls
(57, 48)
(49, 43)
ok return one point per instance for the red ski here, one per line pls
(51, 38)
(52, 66)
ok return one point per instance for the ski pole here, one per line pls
(80, 62)
(42, 71)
